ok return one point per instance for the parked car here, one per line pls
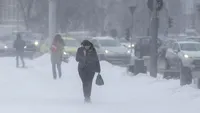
(45, 49)
(168, 43)
(111, 50)
(71, 46)
(126, 43)
(191, 32)
(165, 45)
(3, 49)
(8, 45)
(194, 38)
(183, 54)
(32, 41)
(79, 35)
(142, 47)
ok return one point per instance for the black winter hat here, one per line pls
(86, 43)
(18, 36)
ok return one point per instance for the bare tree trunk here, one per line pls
(26, 9)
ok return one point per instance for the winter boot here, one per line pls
(54, 77)
(23, 66)
(87, 100)
(17, 65)
(60, 76)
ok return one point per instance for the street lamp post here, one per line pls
(132, 10)
(167, 16)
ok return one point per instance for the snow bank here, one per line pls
(33, 90)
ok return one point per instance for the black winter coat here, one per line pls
(90, 62)
(19, 45)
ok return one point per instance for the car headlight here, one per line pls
(5, 47)
(36, 43)
(25, 47)
(64, 53)
(106, 51)
(129, 52)
(131, 45)
(186, 56)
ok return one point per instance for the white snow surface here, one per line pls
(33, 90)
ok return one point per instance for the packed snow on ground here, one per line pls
(33, 90)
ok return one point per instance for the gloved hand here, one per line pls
(53, 48)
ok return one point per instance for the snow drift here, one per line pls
(33, 90)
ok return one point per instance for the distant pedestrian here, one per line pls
(56, 55)
(19, 45)
(88, 61)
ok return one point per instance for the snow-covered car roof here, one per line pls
(103, 38)
(68, 38)
(186, 42)
(123, 40)
(194, 37)
(178, 39)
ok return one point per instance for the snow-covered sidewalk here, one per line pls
(33, 90)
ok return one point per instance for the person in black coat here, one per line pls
(19, 45)
(88, 64)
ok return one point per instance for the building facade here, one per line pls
(10, 12)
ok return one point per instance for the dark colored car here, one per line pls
(143, 45)
(32, 40)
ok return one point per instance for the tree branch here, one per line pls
(26, 7)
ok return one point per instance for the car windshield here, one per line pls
(26, 35)
(7, 38)
(192, 34)
(109, 43)
(71, 43)
(190, 47)
(195, 39)
(123, 40)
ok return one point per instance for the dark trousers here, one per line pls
(58, 66)
(86, 78)
(20, 55)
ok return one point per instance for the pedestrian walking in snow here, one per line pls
(19, 45)
(56, 55)
(88, 64)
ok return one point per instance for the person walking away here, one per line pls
(88, 64)
(56, 55)
(19, 45)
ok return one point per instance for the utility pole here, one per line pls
(52, 18)
(154, 36)
(154, 6)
